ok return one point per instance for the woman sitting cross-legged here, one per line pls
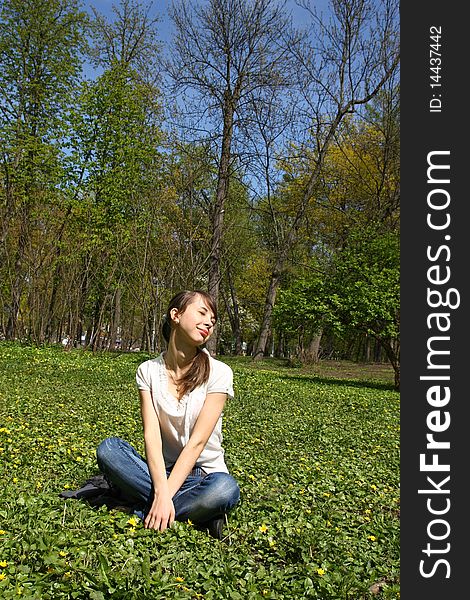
(182, 395)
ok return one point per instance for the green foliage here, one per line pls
(40, 66)
(317, 462)
(103, 215)
(360, 292)
(40, 43)
(115, 142)
(304, 306)
(367, 285)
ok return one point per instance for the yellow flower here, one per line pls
(133, 521)
(190, 522)
(263, 528)
(63, 553)
(2, 531)
(3, 564)
(321, 571)
(372, 538)
(2, 576)
(179, 579)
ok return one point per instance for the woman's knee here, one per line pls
(225, 487)
(106, 451)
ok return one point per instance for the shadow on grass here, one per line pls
(358, 383)
(281, 368)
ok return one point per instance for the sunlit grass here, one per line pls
(317, 461)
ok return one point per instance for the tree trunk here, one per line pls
(116, 322)
(234, 315)
(265, 330)
(218, 211)
(94, 336)
(56, 278)
(19, 278)
(311, 354)
(393, 357)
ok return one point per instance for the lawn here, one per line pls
(316, 457)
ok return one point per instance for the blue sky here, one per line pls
(160, 7)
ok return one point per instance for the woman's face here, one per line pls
(196, 322)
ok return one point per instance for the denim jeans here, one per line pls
(202, 496)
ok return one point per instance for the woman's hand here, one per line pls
(161, 514)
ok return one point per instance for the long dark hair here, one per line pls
(198, 372)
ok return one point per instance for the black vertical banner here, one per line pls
(434, 301)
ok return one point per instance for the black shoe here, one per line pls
(214, 527)
(93, 487)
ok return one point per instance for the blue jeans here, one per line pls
(201, 498)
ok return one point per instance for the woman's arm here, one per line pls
(206, 421)
(162, 512)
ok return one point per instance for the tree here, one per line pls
(240, 246)
(360, 293)
(359, 187)
(344, 66)
(362, 172)
(116, 141)
(115, 167)
(365, 291)
(225, 52)
(40, 42)
(131, 39)
(302, 312)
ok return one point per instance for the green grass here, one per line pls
(316, 457)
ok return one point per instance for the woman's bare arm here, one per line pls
(162, 512)
(206, 421)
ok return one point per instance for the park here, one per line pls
(249, 149)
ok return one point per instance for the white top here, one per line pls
(178, 417)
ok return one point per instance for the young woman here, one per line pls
(182, 396)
